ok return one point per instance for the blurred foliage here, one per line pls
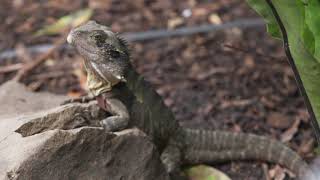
(203, 172)
(71, 20)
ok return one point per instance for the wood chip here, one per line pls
(306, 146)
(175, 22)
(279, 120)
(289, 133)
(236, 103)
(277, 173)
(215, 19)
(10, 68)
(100, 4)
(265, 171)
(211, 72)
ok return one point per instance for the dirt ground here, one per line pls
(247, 88)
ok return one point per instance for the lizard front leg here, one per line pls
(120, 118)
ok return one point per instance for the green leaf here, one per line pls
(203, 172)
(308, 39)
(262, 8)
(302, 22)
(312, 18)
(71, 20)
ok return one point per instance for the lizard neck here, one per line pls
(95, 82)
(136, 84)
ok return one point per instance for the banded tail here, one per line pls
(217, 146)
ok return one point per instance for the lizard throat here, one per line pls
(95, 83)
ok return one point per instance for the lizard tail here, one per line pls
(217, 146)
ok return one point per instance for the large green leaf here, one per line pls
(301, 20)
(312, 18)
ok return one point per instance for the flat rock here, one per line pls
(16, 100)
(59, 150)
(83, 153)
(18, 105)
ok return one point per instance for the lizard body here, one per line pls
(120, 90)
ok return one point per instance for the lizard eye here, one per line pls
(99, 39)
(114, 53)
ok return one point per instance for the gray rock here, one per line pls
(16, 100)
(58, 150)
(65, 117)
(83, 153)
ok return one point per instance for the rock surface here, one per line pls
(63, 152)
(16, 99)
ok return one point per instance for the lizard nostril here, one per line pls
(72, 35)
(69, 38)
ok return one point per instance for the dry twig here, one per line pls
(31, 65)
(49, 75)
(11, 68)
(251, 52)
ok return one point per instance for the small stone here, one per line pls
(175, 22)
(200, 11)
(248, 61)
(215, 19)
(186, 13)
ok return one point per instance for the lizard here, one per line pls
(119, 89)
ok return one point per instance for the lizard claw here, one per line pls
(82, 99)
(114, 123)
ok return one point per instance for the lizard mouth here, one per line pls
(76, 41)
(82, 49)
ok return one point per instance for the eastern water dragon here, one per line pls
(120, 90)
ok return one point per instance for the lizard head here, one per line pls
(103, 49)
